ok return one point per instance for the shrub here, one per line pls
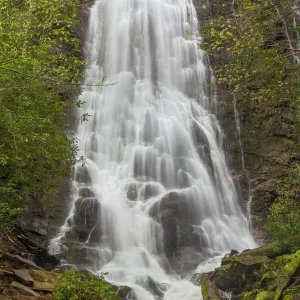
(77, 285)
(284, 218)
(7, 220)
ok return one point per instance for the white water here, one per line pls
(156, 194)
(239, 130)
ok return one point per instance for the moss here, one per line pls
(209, 288)
(245, 259)
(269, 280)
(250, 295)
(204, 287)
(265, 296)
(285, 273)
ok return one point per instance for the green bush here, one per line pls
(284, 217)
(40, 69)
(76, 285)
(7, 220)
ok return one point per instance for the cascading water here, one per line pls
(154, 199)
(238, 129)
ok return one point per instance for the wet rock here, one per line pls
(125, 292)
(195, 279)
(155, 288)
(176, 215)
(82, 175)
(85, 192)
(86, 218)
(132, 190)
(150, 190)
(231, 253)
(86, 257)
(170, 224)
(203, 146)
(185, 259)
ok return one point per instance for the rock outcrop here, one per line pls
(262, 273)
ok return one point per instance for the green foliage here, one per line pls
(76, 285)
(7, 220)
(283, 221)
(257, 64)
(40, 68)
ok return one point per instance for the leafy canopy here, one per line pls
(40, 67)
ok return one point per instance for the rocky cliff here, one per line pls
(267, 141)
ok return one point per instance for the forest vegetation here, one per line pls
(255, 57)
(40, 72)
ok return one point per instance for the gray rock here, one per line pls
(23, 276)
(24, 289)
(22, 261)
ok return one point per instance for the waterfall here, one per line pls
(238, 129)
(155, 200)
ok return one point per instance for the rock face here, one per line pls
(268, 132)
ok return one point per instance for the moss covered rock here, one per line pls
(252, 276)
(236, 272)
(209, 288)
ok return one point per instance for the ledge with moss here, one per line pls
(265, 273)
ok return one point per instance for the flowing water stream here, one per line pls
(154, 202)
